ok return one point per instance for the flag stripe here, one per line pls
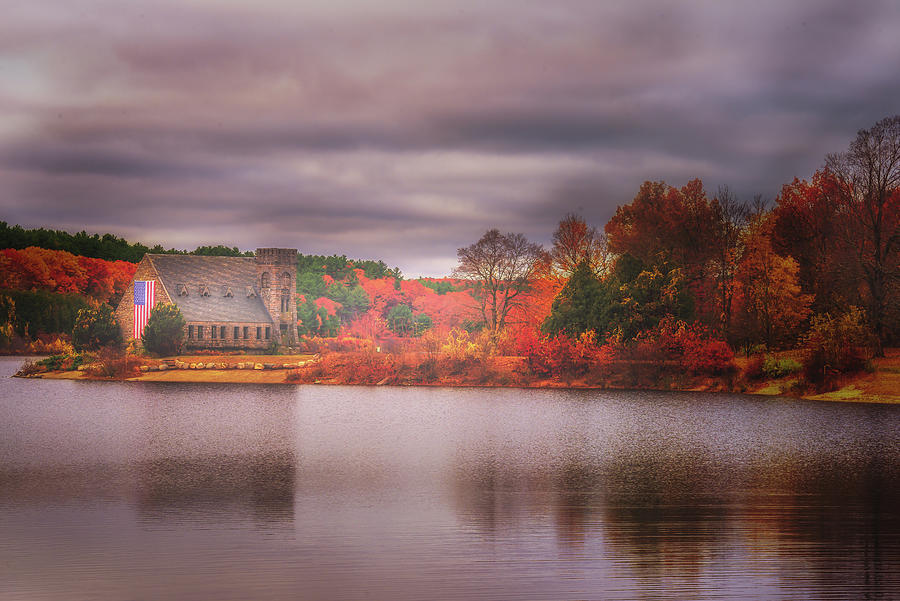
(144, 296)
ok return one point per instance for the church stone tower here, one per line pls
(276, 276)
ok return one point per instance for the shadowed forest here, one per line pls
(682, 286)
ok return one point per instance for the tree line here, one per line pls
(733, 270)
(108, 247)
(678, 276)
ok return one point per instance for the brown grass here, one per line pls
(410, 368)
(880, 386)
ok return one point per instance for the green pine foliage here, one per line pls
(95, 328)
(33, 312)
(340, 267)
(581, 306)
(220, 250)
(308, 315)
(311, 284)
(402, 322)
(164, 333)
(439, 286)
(353, 300)
(315, 320)
(107, 246)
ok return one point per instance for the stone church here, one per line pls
(226, 302)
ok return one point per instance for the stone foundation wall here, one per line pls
(229, 342)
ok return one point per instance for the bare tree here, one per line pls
(502, 267)
(868, 177)
(573, 242)
(731, 217)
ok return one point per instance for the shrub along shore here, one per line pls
(777, 375)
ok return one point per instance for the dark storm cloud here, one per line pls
(403, 130)
(49, 161)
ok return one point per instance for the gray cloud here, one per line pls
(402, 130)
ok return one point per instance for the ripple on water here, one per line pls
(131, 490)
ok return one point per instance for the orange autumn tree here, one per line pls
(446, 310)
(664, 223)
(575, 241)
(59, 271)
(808, 225)
(770, 307)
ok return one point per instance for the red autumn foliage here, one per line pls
(351, 367)
(35, 268)
(664, 220)
(561, 355)
(688, 346)
(329, 305)
(808, 227)
(446, 310)
(369, 325)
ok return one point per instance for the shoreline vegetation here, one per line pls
(680, 290)
(879, 384)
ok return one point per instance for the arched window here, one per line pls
(285, 278)
(264, 280)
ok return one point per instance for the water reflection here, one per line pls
(813, 511)
(257, 486)
(114, 491)
(261, 486)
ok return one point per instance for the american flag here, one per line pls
(143, 303)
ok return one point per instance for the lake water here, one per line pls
(134, 491)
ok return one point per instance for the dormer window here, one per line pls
(228, 292)
(182, 290)
(204, 290)
(251, 291)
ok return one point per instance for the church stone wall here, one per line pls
(125, 311)
(276, 267)
(276, 274)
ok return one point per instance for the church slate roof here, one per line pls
(217, 274)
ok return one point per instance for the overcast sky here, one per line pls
(403, 130)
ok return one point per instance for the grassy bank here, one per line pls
(879, 385)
